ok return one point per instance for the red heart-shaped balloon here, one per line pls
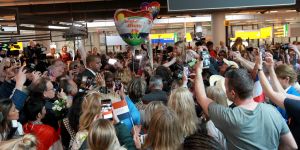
(153, 7)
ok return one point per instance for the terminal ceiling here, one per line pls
(52, 12)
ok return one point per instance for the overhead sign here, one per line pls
(281, 31)
(188, 37)
(266, 32)
(248, 34)
(183, 5)
(162, 38)
(16, 47)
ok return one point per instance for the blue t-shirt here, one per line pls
(135, 116)
(291, 91)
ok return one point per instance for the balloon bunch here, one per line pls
(134, 27)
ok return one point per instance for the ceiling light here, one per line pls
(290, 11)
(273, 11)
(57, 27)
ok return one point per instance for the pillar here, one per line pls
(96, 41)
(218, 28)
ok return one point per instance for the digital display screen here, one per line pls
(182, 5)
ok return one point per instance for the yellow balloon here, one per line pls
(121, 16)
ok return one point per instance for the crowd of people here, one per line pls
(233, 98)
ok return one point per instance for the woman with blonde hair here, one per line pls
(164, 131)
(148, 112)
(91, 109)
(182, 102)
(102, 135)
(27, 142)
(217, 94)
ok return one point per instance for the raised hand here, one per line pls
(20, 78)
(100, 79)
(269, 62)
(36, 75)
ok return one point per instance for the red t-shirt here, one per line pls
(213, 54)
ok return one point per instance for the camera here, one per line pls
(284, 46)
(249, 49)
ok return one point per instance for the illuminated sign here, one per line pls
(16, 47)
(162, 38)
(266, 32)
(188, 37)
(281, 31)
(247, 34)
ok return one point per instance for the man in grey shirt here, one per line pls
(250, 125)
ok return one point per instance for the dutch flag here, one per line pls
(257, 91)
(121, 109)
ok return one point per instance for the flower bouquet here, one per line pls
(60, 108)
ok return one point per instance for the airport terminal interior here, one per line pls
(149, 74)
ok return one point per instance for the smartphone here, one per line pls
(83, 82)
(206, 59)
(103, 90)
(106, 109)
(186, 71)
(118, 85)
(90, 82)
(142, 138)
(112, 61)
(263, 51)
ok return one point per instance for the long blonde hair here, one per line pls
(91, 106)
(217, 94)
(102, 135)
(182, 102)
(27, 142)
(149, 110)
(164, 131)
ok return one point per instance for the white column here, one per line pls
(218, 27)
(96, 40)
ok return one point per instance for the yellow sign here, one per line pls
(16, 47)
(266, 32)
(247, 34)
(188, 37)
(162, 36)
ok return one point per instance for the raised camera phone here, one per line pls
(118, 85)
(262, 49)
(186, 71)
(206, 59)
(106, 109)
